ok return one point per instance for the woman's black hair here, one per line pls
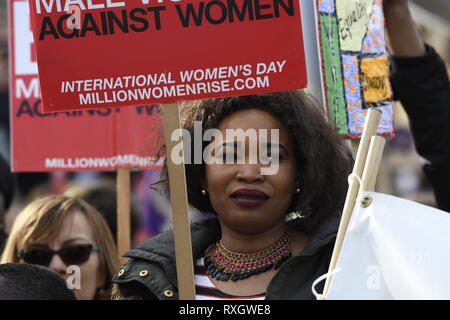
(323, 159)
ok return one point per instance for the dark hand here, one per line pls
(404, 39)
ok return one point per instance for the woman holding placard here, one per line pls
(274, 232)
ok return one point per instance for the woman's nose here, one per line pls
(57, 265)
(249, 173)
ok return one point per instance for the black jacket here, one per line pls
(422, 86)
(150, 273)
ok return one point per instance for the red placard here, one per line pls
(100, 139)
(110, 53)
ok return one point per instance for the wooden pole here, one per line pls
(123, 212)
(370, 129)
(180, 209)
(374, 155)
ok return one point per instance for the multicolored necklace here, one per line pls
(223, 264)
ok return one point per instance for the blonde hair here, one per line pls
(41, 221)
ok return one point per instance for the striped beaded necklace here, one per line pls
(223, 264)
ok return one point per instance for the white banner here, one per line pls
(394, 249)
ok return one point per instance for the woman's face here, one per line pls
(245, 200)
(85, 281)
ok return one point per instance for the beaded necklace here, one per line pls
(223, 264)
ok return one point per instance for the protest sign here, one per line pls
(355, 64)
(119, 53)
(88, 140)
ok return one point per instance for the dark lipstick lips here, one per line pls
(249, 193)
(249, 198)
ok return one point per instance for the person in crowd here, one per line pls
(103, 197)
(250, 251)
(7, 190)
(20, 281)
(70, 237)
(4, 100)
(420, 82)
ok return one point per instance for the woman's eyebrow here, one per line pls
(74, 239)
(279, 145)
(229, 144)
(238, 143)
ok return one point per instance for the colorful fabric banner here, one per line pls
(355, 64)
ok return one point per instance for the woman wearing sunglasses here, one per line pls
(59, 232)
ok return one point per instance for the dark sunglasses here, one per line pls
(71, 255)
